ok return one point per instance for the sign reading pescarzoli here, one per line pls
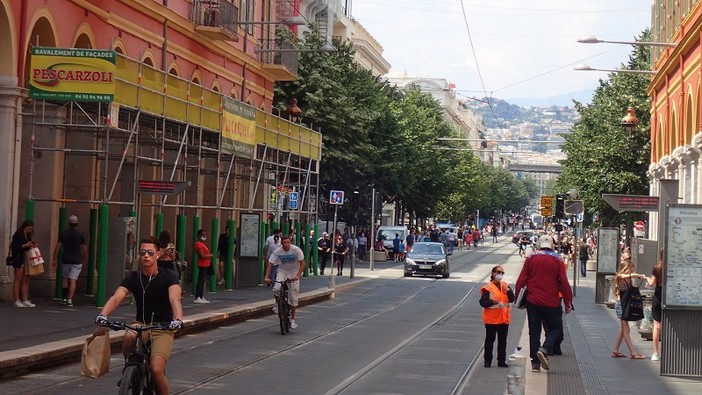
(72, 74)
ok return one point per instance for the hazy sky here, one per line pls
(524, 48)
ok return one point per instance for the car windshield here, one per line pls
(429, 249)
(390, 234)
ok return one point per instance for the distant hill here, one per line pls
(560, 100)
(502, 114)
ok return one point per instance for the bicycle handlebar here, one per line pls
(120, 325)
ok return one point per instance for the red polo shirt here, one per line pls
(544, 275)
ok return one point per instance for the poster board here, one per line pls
(682, 281)
(607, 250)
(249, 238)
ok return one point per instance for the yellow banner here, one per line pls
(238, 128)
(72, 74)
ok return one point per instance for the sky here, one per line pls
(523, 48)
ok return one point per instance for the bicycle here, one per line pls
(136, 376)
(284, 308)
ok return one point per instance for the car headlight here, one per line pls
(409, 261)
(441, 262)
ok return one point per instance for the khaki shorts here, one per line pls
(161, 341)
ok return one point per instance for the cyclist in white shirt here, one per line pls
(291, 263)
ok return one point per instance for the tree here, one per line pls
(601, 157)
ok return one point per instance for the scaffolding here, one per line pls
(166, 128)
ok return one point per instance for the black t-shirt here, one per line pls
(71, 240)
(151, 295)
(324, 244)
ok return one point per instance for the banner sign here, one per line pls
(72, 74)
(238, 128)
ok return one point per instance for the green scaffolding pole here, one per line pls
(263, 232)
(306, 245)
(102, 255)
(58, 289)
(229, 264)
(214, 247)
(92, 248)
(181, 225)
(315, 250)
(159, 225)
(29, 210)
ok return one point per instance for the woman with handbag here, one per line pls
(624, 288)
(21, 243)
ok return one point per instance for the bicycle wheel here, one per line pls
(131, 381)
(287, 316)
(282, 313)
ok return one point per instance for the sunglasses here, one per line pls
(499, 272)
(144, 252)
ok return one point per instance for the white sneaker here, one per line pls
(203, 300)
(293, 324)
(655, 357)
(275, 309)
(19, 304)
(197, 300)
(28, 303)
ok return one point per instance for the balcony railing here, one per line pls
(285, 61)
(216, 19)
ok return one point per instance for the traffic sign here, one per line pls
(547, 201)
(336, 197)
(546, 211)
(640, 226)
(292, 200)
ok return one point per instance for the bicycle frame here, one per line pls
(284, 308)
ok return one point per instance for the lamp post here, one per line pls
(573, 194)
(595, 40)
(629, 122)
(584, 67)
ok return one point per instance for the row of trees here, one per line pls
(376, 136)
(601, 156)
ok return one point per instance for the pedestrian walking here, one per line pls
(544, 276)
(583, 256)
(272, 243)
(623, 282)
(223, 252)
(204, 266)
(341, 250)
(75, 254)
(324, 246)
(495, 297)
(656, 280)
(21, 243)
(362, 242)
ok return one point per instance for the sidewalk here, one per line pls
(587, 367)
(50, 333)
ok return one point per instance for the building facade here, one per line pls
(676, 109)
(190, 108)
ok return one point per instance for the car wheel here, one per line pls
(408, 274)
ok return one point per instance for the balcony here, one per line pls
(216, 19)
(281, 65)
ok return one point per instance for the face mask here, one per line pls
(203, 238)
(498, 277)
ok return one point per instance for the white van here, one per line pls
(387, 234)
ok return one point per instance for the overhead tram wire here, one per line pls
(477, 66)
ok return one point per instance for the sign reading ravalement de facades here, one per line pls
(72, 74)
(238, 128)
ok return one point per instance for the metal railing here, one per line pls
(215, 13)
(286, 58)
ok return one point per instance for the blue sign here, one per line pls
(579, 217)
(292, 200)
(336, 197)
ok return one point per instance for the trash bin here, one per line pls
(609, 291)
(645, 326)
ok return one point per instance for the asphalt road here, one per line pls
(388, 335)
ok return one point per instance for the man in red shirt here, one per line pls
(544, 276)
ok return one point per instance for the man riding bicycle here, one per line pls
(291, 263)
(157, 298)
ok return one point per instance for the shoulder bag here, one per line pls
(632, 304)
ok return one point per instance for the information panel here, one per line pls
(607, 250)
(249, 239)
(683, 257)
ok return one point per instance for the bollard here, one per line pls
(516, 375)
(332, 285)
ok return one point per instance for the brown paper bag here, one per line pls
(95, 359)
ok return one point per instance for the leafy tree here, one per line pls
(601, 157)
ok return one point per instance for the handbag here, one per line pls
(95, 357)
(34, 261)
(521, 300)
(632, 304)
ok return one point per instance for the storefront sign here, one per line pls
(72, 74)
(238, 128)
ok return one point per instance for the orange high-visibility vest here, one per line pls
(496, 314)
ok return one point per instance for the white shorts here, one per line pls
(294, 288)
(71, 271)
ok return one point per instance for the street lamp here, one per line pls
(629, 122)
(294, 112)
(595, 40)
(584, 67)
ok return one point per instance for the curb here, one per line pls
(29, 359)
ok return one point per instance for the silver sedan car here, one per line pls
(427, 258)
